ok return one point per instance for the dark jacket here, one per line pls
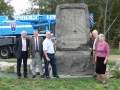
(18, 47)
(32, 46)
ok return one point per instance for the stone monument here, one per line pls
(73, 35)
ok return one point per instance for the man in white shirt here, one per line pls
(36, 53)
(95, 35)
(48, 49)
(21, 52)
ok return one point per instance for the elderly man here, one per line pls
(48, 49)
(95, 35)
(36, 53)
(21, 52)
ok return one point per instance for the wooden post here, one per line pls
(119, 45)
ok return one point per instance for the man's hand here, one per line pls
(47, 58)
(55, 42)
(30, 56)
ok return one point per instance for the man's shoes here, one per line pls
(26, 77)
(19, 77)
(57, 76)
(42, 76)
(47, 77)
(33, 76)
(95, 75)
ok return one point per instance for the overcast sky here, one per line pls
(19, 5)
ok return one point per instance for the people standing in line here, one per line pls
(36, 53)
(21, 52)
(48, 49)
(95, 41)
(101, 57)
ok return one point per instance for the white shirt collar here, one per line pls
(23, 38)
(48, 38)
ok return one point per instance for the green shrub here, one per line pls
(116, 73)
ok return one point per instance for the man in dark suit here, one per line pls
(21, 52)
(36, 53)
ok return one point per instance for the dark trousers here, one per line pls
(19, 61)
(53, 64)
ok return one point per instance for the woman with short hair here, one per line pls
(102, 53)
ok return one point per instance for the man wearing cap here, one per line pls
(21, 52)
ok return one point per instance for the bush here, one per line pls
(116, 73)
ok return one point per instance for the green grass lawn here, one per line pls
(58, 84)
(115, 52)
(111, 63)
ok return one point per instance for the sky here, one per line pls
(19, 5)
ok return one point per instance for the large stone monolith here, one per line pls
(72, 30)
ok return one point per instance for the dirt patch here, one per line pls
(114, 57)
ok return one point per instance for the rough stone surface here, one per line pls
(5, 65)
(74, 63)
(117, 63)
(72, 27)
(22, 69)
(72, 31)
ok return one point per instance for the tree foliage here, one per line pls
(105, 13)
(6, 8)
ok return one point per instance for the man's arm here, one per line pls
(45, 50)
(30, 48)
(45, 53)
(28, 43)
(16, 45)
(42, 46)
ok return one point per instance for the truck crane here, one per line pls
(11, 27)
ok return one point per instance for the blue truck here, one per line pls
(11, 27)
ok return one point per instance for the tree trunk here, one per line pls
(105, 17)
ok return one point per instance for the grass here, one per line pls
(111, 63)
(9, 60)
(57, 84)
(115, 52)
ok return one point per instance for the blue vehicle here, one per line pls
(11, 27)
(14, 25)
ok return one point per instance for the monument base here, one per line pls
(74, 63)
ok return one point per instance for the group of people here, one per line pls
(35, 48)
(100, 54)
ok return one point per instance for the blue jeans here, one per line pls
(53, 64)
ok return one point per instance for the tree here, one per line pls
(6, 8)
(106, 13)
